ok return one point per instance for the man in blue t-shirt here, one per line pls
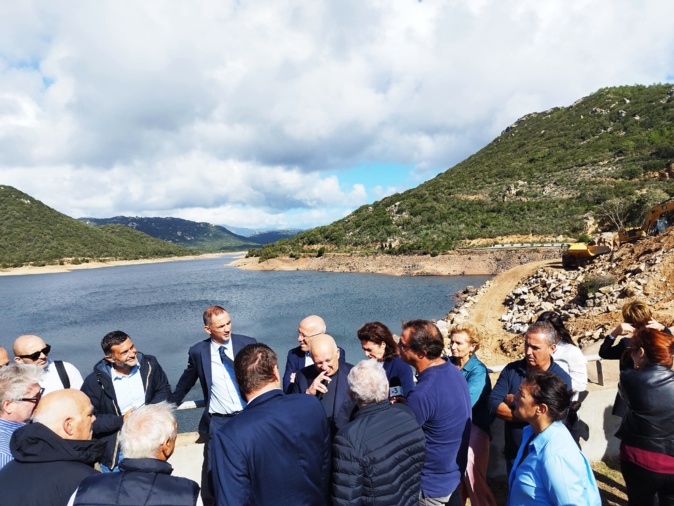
(539, 343)
(441, 404)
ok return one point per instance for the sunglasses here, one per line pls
(35, 399)
(36, 355)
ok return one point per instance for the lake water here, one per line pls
(160, 306)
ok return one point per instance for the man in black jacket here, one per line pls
(148, 439)
(122, 381)
(53, 454)
(377, 458)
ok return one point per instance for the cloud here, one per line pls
(208, 107)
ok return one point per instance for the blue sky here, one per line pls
(290, 114)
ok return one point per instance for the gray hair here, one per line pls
(546, 329)
(368, 383)
(146, 429)
(16, 379)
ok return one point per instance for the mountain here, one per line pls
(544, 175)
(33, 233)
(205, 237)
(273, 235)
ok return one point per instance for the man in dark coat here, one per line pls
(377, 458)
(277, 451)
(300, 356)
(53, 454)
(122, 381)
(327, 380)
(148, 439)
(212, 363)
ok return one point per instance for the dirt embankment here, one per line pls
(460, 263)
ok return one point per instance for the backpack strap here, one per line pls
(63, 375)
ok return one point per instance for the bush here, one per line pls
(320, 252)
(593, 284)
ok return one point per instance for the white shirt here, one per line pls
(572, 360)
(51, 381)
(225, 395)
(308, 360)
(129, 389)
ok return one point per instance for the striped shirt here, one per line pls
(7, 428)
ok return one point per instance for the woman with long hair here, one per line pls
(549, 468)
(378, 343)
(647, 429)
(465, 340)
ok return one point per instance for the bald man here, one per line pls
(4, 357)
(53, 454)
(326, 379)
(31, 349)
(299, 357)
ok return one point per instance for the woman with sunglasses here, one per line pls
(549, 468)
(647, 429)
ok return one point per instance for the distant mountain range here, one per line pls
(205, 237)
(33, 233)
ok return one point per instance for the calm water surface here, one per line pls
(160, 306)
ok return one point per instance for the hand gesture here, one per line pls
(320, 384)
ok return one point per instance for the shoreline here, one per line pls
(59, 269)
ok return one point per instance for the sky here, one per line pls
(271, 114)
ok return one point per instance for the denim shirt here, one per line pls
(555, 472)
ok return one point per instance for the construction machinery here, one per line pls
(655, 223)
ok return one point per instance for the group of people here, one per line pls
(408, 425)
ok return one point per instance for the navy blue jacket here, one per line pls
(109, 419)
(343, 407)
(295, 362)
(276, 452)
(396, 368)
(199, 368)
(141, 481)
(509, 382)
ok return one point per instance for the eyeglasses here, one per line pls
(304, 336)
(35, 399)
(36, 355)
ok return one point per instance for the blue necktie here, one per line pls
(228, 363)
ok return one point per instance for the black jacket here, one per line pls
(109, 419)
(46, 469)
(649, 394)
(141, 481)
(377, 458)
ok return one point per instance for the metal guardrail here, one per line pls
(490, 369)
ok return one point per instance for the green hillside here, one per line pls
(32, 233)
(204, 237)
(540, 176)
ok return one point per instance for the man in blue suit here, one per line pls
(212, 362)
(327, 380)
(277, 451)
(300, 357)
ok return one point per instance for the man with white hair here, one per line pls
(148, 439)
(366, 463)
(53, 454)
(31, 349)
(19, 394)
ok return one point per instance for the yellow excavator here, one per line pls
(655, 223)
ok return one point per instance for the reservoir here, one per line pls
(160, 306)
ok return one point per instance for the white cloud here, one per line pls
(204, 108)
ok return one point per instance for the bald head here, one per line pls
(30, 345)
(68, 413)
(310, 327)
(325, 354)
(4, 357)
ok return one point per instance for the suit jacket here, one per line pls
(295, 362)
(343, 406)
(276, 452)
(199, 367)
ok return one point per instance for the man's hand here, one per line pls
(292, 377)
(126, 415)
(318, 386)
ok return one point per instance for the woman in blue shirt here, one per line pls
(465, 340)
(378, 343)
(549, 468)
